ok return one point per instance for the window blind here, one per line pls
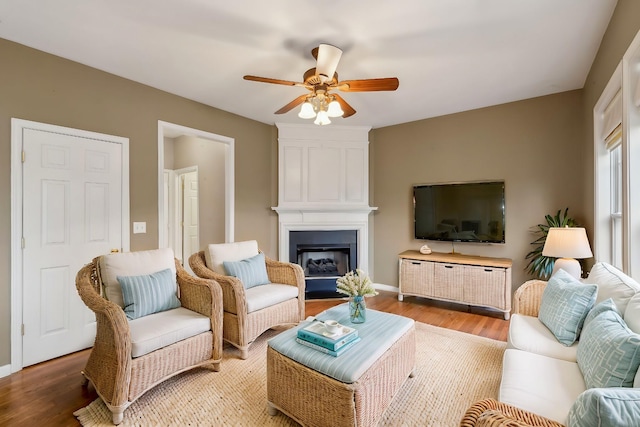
(612, 115)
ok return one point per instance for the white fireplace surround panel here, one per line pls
(323, 183)
(308, 220)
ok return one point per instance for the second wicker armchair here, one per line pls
(251, 310)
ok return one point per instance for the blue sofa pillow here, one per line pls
(564, 306)
(251, 271)
(608, 352)
(149, 293)
(605, 407)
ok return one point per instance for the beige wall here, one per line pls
(623, 27)
(533, 145)
(45, 88)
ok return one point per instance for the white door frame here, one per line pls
(17, 128)
(166, 129)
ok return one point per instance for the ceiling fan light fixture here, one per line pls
(322, 118)
(328, 58)
(334, 109)
(306, 111)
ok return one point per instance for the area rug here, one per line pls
(453, 370)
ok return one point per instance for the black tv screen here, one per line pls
(460, 212)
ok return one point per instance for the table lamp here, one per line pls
(566, 244)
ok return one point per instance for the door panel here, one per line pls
(72, 208)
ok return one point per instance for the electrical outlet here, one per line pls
(139, 227)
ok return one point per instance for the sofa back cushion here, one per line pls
(132, 264)
(216, 254)
(612, 283)
(564, 306)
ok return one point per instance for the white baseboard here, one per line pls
(5, 371)
(382, 287)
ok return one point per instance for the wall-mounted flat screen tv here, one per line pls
(460, 212)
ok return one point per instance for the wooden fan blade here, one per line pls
(299, 100)
(275, 81)
(369, 85)
(348, 109)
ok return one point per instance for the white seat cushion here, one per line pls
(540, 384)
(159, 330)
(132, 264)
(217, 253)
(530, 334)
(264, 296)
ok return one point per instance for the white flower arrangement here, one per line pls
(356, 283)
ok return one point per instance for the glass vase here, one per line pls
(357, 309)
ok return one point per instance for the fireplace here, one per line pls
(324, 255)
(323, 202)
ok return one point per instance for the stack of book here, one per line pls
(316, 336)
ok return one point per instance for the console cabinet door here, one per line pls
(416, 277)
(448, 280)
(484, 286)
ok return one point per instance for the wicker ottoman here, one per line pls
(353, 389)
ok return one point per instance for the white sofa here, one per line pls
(544, 376)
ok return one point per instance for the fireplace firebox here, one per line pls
(325, 255)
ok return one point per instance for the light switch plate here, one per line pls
(139, 227)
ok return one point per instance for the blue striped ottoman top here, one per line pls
(378, 333)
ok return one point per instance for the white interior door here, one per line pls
(72, 212)
(190, 241)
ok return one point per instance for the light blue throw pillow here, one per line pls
(148, 294)
(606, 305)
(564, 306)
(608, 352)
(251, 271)
(605, 407)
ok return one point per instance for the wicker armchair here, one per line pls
(527, 298)
(491, 413)
(120, 378)
(242, 327)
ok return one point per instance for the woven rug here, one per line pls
(453, 370)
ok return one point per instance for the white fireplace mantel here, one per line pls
(323, 183)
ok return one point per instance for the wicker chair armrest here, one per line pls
(491, 413)
(527, 298)
(233, 294)
(203, 296)
(111, 371)
(285, 272)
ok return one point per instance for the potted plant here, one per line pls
(539, 265)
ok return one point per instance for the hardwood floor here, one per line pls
(47, 394)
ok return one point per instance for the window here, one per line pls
(617, 166)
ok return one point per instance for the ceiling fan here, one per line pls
(322, 103)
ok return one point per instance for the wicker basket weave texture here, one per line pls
(117, 377)
(240, 327)
(490, 412)
(314, 399)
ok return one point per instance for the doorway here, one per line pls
(70, 203)
(212, 155)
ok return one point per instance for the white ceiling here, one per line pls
(450, 55)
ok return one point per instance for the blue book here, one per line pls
(326, 350)
(316, 333)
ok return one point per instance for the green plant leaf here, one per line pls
(539, 265)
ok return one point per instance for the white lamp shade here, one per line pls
(306, 111)
(328, 57)
(322, 118)
(567, 242)
(334, 109)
